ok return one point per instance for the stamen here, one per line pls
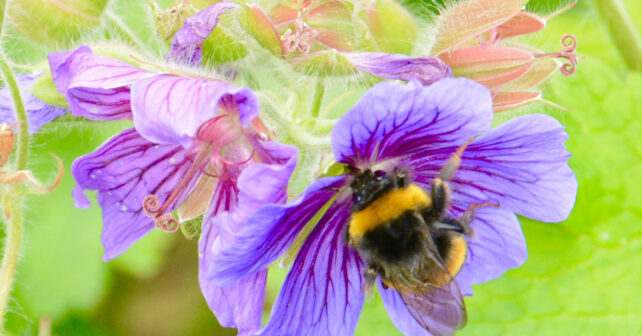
(151, 202)
(301, 38)
(569, 46)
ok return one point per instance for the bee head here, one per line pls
(369, 185)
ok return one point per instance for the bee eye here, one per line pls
(379, 175)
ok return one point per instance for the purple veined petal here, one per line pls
(426, 69)
(270, 231)
(187, 43)
(323, 292)
(497, 246)
(398, 312)
(170, 109)
(521, 164)
(394, 120)
(265, 183)
(96, 87)
(124, 170)
(39, 113)
(240, 304)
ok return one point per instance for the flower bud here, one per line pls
(393, 29)
(469, 19)
(62, 21)
(259, 26)
(491, 67)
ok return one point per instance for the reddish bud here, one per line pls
(509, 100)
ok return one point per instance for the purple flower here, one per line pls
(521, 165)
(39, 113)
(196, 148)
(187, 48)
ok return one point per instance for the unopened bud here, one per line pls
(258, 25)
(469, 19)
(490, 66)
(393, 29)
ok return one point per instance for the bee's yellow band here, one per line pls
(387, 207)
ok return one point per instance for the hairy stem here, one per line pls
(623, 31)
(10, 255)
(318, 98)
(22, 145)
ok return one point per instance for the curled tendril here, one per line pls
(569, 46)
(166, 223)
(151, 205)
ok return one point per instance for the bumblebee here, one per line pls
(407, 239)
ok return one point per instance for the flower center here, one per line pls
(219, 149)
(301, 38)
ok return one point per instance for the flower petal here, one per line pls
(39, 113)
(426, 69)
(497, 246)
(322, 294)
(124, 170)
(521, 164)
(96, 87)
(186, 46)
(269, 232)
(170, 109)
(240, 304)
(393, 120)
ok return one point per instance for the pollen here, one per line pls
(387, 207)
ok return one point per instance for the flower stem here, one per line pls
(22, 145)
(10, 256)
(318, 98)
(623, 31)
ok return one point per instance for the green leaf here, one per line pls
(581, 276)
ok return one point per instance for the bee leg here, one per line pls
(440, 198)
(369, 277)
(463, 222)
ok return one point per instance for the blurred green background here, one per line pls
(583, 276)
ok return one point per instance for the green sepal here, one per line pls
(44, 89)
(326, 64)
(220, 47)
(192, 228)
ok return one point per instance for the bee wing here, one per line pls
(440, 310)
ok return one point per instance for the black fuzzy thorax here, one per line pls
(397, 239)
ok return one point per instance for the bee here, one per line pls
(408, 240)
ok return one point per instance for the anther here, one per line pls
(301, 38)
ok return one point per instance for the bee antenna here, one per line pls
(453, 162)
